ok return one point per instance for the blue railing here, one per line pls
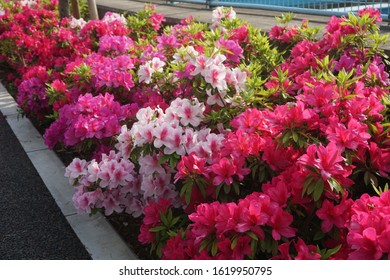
(319, 7)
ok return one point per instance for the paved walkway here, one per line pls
(31, 223)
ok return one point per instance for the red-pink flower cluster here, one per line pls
(369, 227)
(232, 227)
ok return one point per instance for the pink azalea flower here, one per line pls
(280, 222)
(85, 201)
(380, 158)
(240, 34)
(233, 52)
(142, 133)
(201, 63)
(224, 171)
(216, 98)
(114, 17)
(153, 210)
(152, 219)
(175, 249)
(352, 136)
(372, 13)
(252, 120)
(149, 165)
(215, 75)
(228, 218)
(190, 166)
(174, 143)
(253, 212)
(283, 34)
(157, 20)
(327, 160)
(158, 185)
(111, 205)
(93, 171)
(278, 158)
(77, 23)
(345, 62)
(157, 64)
(333, 215)
(190, 113)
(284, 250)
(242, 248)
(113, 173)
(145, 73)
(76, 169)
(319, 96)
(306, 252)
(163, 135)
(278, 190)
(204, 220)
(238, 79)
(365, 245)
(242, 144)
(221, 13)
(384, 241)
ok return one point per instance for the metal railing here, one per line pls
(318, 7)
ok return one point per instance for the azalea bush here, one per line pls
(227, 142)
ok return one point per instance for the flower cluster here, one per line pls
(230, 230)
(369, 229)
(105, 185)
(228, 143)
(90, 117)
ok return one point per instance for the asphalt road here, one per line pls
(32, 226)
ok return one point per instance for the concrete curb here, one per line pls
(97, 235)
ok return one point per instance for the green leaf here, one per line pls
(159, 249)
(236, 188)
(187, 185)
(295, 136)
(373, 128)
(318, 235)
(319, 189)
(163, 159)
(164, 219)
(171, 233)
(218, 190)
(188, 195)
(170, 216)
(234, 242)
(286, 137)
(330, 252)
(254, 248)
(157, 229)
(214, 248)
(202, 190)
(172, 162)
(335, 185)
(227, 189)
(312, 187)
(204, 244)
(308, 181)
(175, 220)
(252, 235)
